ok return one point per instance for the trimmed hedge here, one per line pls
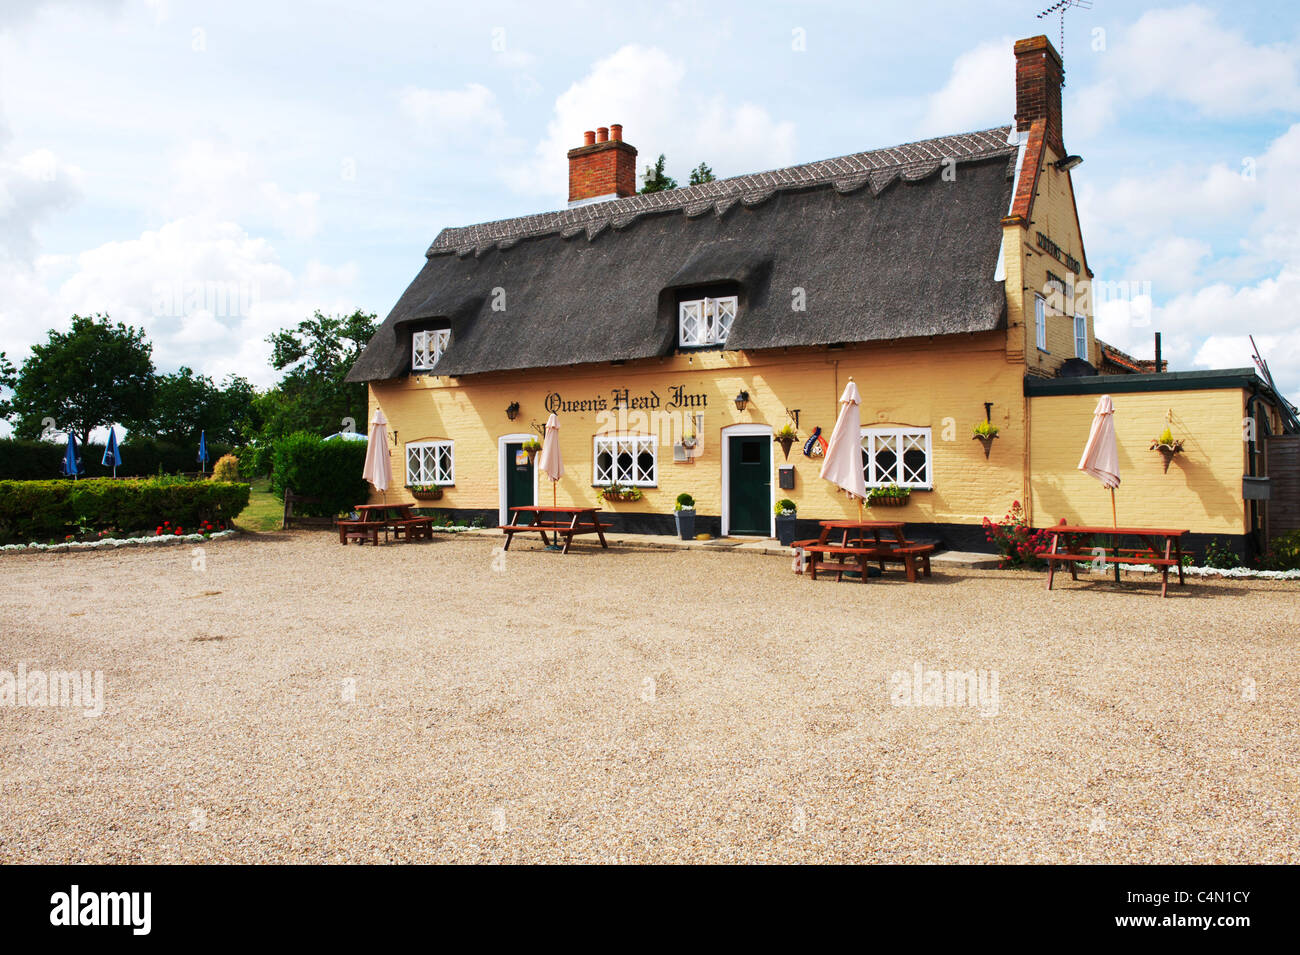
(22, 460)
(40, 510)
(314, 467)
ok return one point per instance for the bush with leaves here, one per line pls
(1221, 556)
(42, 510)
(226, 468)
(327, 470)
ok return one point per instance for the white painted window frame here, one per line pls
(1081, 337)
(444, 479)
(903, 441)
(1040, 321)
(427, 347)
(639, 442)
(712, 318)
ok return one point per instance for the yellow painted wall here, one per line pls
(1201, 492)
(940, 384)
(1027, 267)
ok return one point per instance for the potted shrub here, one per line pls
(785, 519)
(1167, 446)
(425, 492)
(786, 437)
(985, 432)
(890, 495)
(617, 492)
(684, 515)
(532, 447)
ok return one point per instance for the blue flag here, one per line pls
(112, 458)
(70, 467)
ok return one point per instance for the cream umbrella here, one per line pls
(549, 460)
(843, 463)
(378, 469)
(1101, 453)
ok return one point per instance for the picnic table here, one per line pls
(385, 517)
(563, 521)
(1160, 548)
(866, 542)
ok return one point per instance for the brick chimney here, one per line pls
(603, 167)
(1039, 77)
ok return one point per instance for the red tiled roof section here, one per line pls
(1032, 164)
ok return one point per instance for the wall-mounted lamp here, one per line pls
(742, 399)
(512, 410)
(1067, 163)
(394, 437)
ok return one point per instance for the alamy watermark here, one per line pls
(65, 688)
(930, 687)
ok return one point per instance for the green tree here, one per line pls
(8, 378)
(315, 358)
(655, 179)
(94, 374)
(702, 174)
(185, 404)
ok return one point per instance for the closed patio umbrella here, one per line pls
(378, 469)
(70, 466)
(843, 463)
(549, 460)
(1101, 453)
(203, 452)
(111, 455)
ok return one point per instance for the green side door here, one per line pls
(749, 471)
(520, 483)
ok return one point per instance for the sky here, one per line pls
(216, 171)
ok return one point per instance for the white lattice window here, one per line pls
(1081, 337)
(430, 462)
(706, 321)
(1040, 321)
(897, 456)
(626, 459)
(427, 348)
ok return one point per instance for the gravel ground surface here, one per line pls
(636, 706)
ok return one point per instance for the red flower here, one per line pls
(179, 532)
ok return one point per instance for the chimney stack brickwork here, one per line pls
(603, 166)
(1039, 77)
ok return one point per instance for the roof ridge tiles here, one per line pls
(910, 161)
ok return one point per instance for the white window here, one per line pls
(897, 456)
(430, 462)
(427, 348)
(1040, 321)
(1081, 337)
(705, 321)
(626, 459)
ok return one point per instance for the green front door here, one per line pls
(520, 483)
(749, 473)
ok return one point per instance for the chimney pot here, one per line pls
(616, 132)
(602, 134)
(589, 138)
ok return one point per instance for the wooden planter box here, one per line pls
(434, 495)
(889, 501)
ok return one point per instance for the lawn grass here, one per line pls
(265, 511)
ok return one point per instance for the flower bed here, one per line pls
(110, 543)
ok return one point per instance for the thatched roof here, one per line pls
(883, 245)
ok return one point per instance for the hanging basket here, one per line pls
(428, 494)
(986, 440)
(786, 445)
(889, 501)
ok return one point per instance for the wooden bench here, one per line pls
(1123, 557)
(565, 529)
(361, 531)
(290, 518)
(914, 558)
(412, 528)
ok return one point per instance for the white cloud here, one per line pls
(645, 89)
(222, 182)
(1185, 55)
(979, 93)
(453, 114)
(32, 188)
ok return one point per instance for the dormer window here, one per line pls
(427, 348)
(705, 321)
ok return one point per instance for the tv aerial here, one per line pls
(1059, 8)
